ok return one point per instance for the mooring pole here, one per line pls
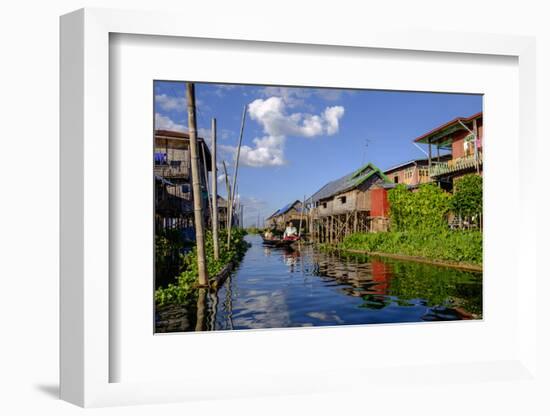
(206, 180)
(235, 176)
(228, 189)
(214, 194)
(196, 180)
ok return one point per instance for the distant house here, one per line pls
(290, 212)
(173, 189)
(414, 172)
(222, 212)
(463, 138)
(346, 205)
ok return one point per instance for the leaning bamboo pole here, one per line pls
(236, 170)
(214, 194)
(195, 175)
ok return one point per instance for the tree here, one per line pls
(425, 209)
(467, 200)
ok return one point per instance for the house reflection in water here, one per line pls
(308, 286)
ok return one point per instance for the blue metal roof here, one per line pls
(285, 209)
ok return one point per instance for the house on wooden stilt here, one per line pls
(355, 202)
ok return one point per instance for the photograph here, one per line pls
(300, 206)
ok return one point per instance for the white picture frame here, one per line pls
(85, 211)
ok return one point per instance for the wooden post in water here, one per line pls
(228, 190)
(214, 194)
(242, 215)
(201, 310)
(206, 180)
(301, 216)
(196, 178)
(235, 176)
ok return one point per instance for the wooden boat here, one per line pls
(278, 242)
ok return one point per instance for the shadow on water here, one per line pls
(279, 288)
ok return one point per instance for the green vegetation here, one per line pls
(455, 246)
(419, 224)
(168, 244)
(425, 209)
(254, 230)
(467, 200)
(184, 290)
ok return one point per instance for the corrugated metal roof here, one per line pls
(285, 209)
(348, 182)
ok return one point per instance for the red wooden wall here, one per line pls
(379, 203)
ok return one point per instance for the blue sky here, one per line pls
(297, 139)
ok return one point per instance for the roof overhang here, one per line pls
(440, 135)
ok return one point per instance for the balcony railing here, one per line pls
(172, 170)
(454, 165)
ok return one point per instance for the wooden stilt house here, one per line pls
(345, 205)
(173, 190)
(290, 212)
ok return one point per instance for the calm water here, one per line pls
(281, 288)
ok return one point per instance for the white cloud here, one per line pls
(270, 113)
(221, 89)
(332, 116)
(166, 123)
(277, 124)
(295, 97)
(169, 103)
(179, 104)
(268, 151)
(225, 134)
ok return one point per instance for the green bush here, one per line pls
(467, 199)
(425, 209)
(185, 288)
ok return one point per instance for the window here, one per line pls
(324, 204)
(185, 188)
(343, 199)
(396, 179)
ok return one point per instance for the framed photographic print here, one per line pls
(327, 213)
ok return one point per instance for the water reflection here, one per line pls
(278, 288)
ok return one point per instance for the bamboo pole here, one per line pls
(301, 216)
(228, 190)
(195, 174)
(235, 176)
(206, 180)
(242, 215)
(214, 194)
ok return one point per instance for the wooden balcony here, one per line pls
(172, 170)
(454, 166)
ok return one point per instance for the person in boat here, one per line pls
(290, 232)
(268, 235)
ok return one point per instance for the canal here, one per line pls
(305, 286)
